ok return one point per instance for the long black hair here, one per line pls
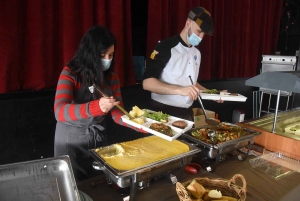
(87, 61)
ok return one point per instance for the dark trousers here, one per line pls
(183, 113)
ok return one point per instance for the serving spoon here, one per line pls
(92, 90)
(209, 121)
(212, 134)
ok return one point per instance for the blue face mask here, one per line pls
(105, 64)
(193, 39)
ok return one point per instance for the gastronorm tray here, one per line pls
(226, 97)
(134, 176)
(176, 132)
(224, 147)
(121, 173)
(44, 179)
(276, 164)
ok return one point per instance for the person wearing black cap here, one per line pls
(172, 62)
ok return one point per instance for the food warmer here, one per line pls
(133, 178)
(217, 151)
(283, 120)
(272, 126)
(280, 81)
(43, 179)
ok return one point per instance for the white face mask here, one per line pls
(105, 64)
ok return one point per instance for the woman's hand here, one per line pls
(107, 103)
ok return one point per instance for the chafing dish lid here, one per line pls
(283, 80)
(44, 179)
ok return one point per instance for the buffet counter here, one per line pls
(260, 186)
(279, 141)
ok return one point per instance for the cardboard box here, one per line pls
(199, 118)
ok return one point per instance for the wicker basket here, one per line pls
(227, 187)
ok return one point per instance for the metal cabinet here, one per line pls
(275, 63)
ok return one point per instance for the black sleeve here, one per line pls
(159, 58)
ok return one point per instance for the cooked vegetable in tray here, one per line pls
(224, 132)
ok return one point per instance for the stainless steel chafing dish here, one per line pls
(44, 179)
(135, 176)
(218, 150)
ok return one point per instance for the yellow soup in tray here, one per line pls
(141, 152)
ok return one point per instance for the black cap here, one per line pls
(203, 18)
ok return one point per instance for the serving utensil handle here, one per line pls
(200, 101)
(118, 106)
(125, 112)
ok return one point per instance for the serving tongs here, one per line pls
(209, 121)
(92, 90)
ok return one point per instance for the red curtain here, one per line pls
(244, 31)
(39, 37)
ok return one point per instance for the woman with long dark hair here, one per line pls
(81, 114)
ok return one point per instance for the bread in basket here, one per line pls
(227, 187)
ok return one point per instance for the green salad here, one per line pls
(158, 116)
(210, 91)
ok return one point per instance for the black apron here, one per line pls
(75, 138)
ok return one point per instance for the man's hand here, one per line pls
(221, 101)
(192, 91)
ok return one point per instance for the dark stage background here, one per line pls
(39, 37)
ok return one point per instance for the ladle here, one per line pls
(212, 134)
(209, 121)
(92, 89)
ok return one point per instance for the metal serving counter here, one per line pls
(272, 126)
(260, 186)
(283, 119)
(279, 81)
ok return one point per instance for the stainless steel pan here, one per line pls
(215, 151)
(133, 177)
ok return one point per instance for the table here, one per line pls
(260, 186)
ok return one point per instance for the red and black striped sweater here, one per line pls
(66, 111)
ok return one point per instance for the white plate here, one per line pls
(225, 97)
(146, 126)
